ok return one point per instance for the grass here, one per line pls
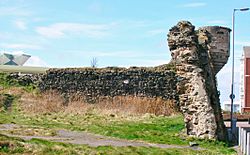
(10, 145)
(44, 114)
(165, 130)
(7, 82)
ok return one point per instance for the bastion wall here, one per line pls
(92, 83)
(189, 79)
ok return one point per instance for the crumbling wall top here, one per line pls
(181, 35)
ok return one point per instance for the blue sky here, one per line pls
(63, 33)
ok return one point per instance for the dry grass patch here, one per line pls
(50, 102)
(131, 105)
(17, 91)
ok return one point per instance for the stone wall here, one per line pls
(189, 79)
(217, 40)
(197, 87)
(91, 83)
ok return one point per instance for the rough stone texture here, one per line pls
(25, 79)
(192, 53)
(216, 39)
(92, 83)
(189, 79)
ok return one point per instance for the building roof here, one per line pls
(246, 51)
(11, 59)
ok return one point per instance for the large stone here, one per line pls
(199, 99)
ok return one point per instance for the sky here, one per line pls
(63, 33)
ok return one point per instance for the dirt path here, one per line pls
(90, 139)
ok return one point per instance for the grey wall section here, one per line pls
(91, 83)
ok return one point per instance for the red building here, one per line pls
(246, 80)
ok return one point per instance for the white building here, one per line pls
(13, 59)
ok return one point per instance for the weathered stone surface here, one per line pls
(198, 96)
(217, 41)
(189, 79)
(25, 79)
(91, 83)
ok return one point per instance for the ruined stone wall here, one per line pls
(192, 53)
(189, 79)
(217, 40)
(91, 83)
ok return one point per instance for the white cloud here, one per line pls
(20, 24)
(20, 46)
(36, 62)
(194, 5)
(59, 30)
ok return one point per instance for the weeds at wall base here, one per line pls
(50, 102)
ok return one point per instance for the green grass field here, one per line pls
(43, 147)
